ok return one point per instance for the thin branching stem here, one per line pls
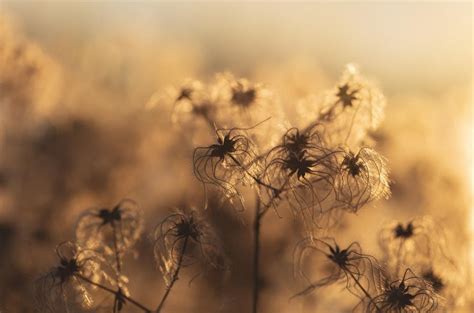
(209, 121)
(255, 178)
(118, 261)
(367, 294)
(117, 252)
(256, 255)
(115, 293)
(175, 275)
(399, 257)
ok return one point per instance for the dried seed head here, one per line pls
(302, 170)
(193, 102)
(353, 164)
(346, 96)
(435, 281)
(299, 164)
(402, 231)
(64, 285)
(243, 95)
(338, 256)
(419, 243)
(227, 163)
(242, 102)
(183, 239)
(188, 228)
(406, 295)
(108, 228)
(363, 178)
(352, 109)
(296, 142)
(326, 260)
(185, 93)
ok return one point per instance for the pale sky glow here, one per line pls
(426, 45)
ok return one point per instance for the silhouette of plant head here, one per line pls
(243, 94)
(436, 281)
(242, 102)
(326, 259)
(240, 93)
(447, 282)
(363, 178)
(346, 96)
(352, 109)
(194, 101)
(64, 285)
(419, 243)
(296, 142)
(299, 164)
(226, 163)
(352, 164)
(402, 231)
(309, 141)
(406, 295)
(182, 239)
(302, 170)
(185, 93)
(118, 227)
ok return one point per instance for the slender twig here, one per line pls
(175, 275)
(255, 178)
(117, 252)
(119, 265)
(367, 294)
(209, 121)
(399, 257)
(256, 255)
(115, 293)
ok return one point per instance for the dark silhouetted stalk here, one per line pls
(175, 275)
(259, 214)
(119, 265)
(117, 252)
(256, 255)
(115, 293)
(366, 293)
(399, 257)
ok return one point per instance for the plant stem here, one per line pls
(255, 178)
(399, 258)
(256, 255)
(363, 289)
(119, 265)
(115, 293)
(175, 276)
(117, 252)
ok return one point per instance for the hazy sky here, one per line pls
(406, 45)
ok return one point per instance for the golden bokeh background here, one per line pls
(80, 125)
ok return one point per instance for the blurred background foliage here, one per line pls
(79, 126)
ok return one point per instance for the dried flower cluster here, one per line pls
(319, 169)
(366, 278)
(93, 263)
(315, 169)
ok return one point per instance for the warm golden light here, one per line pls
(236, 157)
